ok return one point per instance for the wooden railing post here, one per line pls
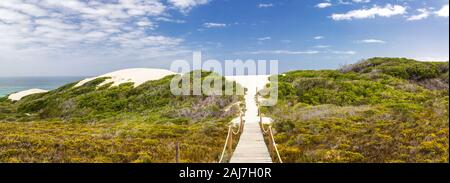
(271, 148)
(241, 123)
(230, 141)
(177, 152)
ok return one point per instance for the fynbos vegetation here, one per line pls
(94, 123)
(378, 110)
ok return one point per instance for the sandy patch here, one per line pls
(21, 94)
(137, 76)
(251, 83)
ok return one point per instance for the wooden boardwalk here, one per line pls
(251, 147)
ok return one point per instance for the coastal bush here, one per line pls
(378, 110)
(119, 142)
(93, 123)
(92, 102)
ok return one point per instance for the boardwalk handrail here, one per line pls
(226, 144)
(229, 140)
(241, 126)
(272, 144)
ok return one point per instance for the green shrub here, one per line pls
(93, 123)
(378, 110)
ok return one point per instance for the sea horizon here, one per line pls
(12, 84)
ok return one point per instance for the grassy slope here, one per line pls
(380, 110)
(118, 124)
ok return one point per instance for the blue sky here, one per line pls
(77, 37)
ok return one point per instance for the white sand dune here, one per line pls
(251, 83)
(19, 95)
(137, 76)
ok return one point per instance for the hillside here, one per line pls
(378, 110)
(106, 123)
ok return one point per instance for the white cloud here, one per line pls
(344, 52)
(423, 14)
(46, 28)
(54, 23)
(96, 35)
(361, 1)
(283, 52)
(322, 46)
(187, 5)
(372, 41)
(443, 12)
(264, 38)
(268, 5)
(11, 16)
(387, 11)
(344, 2)
(319, 37)
(146, 23)
(352, 1)
(17, 5)
(289, 52)
(214, 25)
(165, 19)
(323, 5)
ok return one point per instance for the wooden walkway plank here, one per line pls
(251, 147)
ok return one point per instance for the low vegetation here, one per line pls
(378, 110)
(120, 142)
(94, 123)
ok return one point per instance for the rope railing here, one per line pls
(229, 141)
(241, 126)
(273, 150)
(226, 143)
(272, 145)
(262, 127)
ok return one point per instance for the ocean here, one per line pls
(10, 85)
